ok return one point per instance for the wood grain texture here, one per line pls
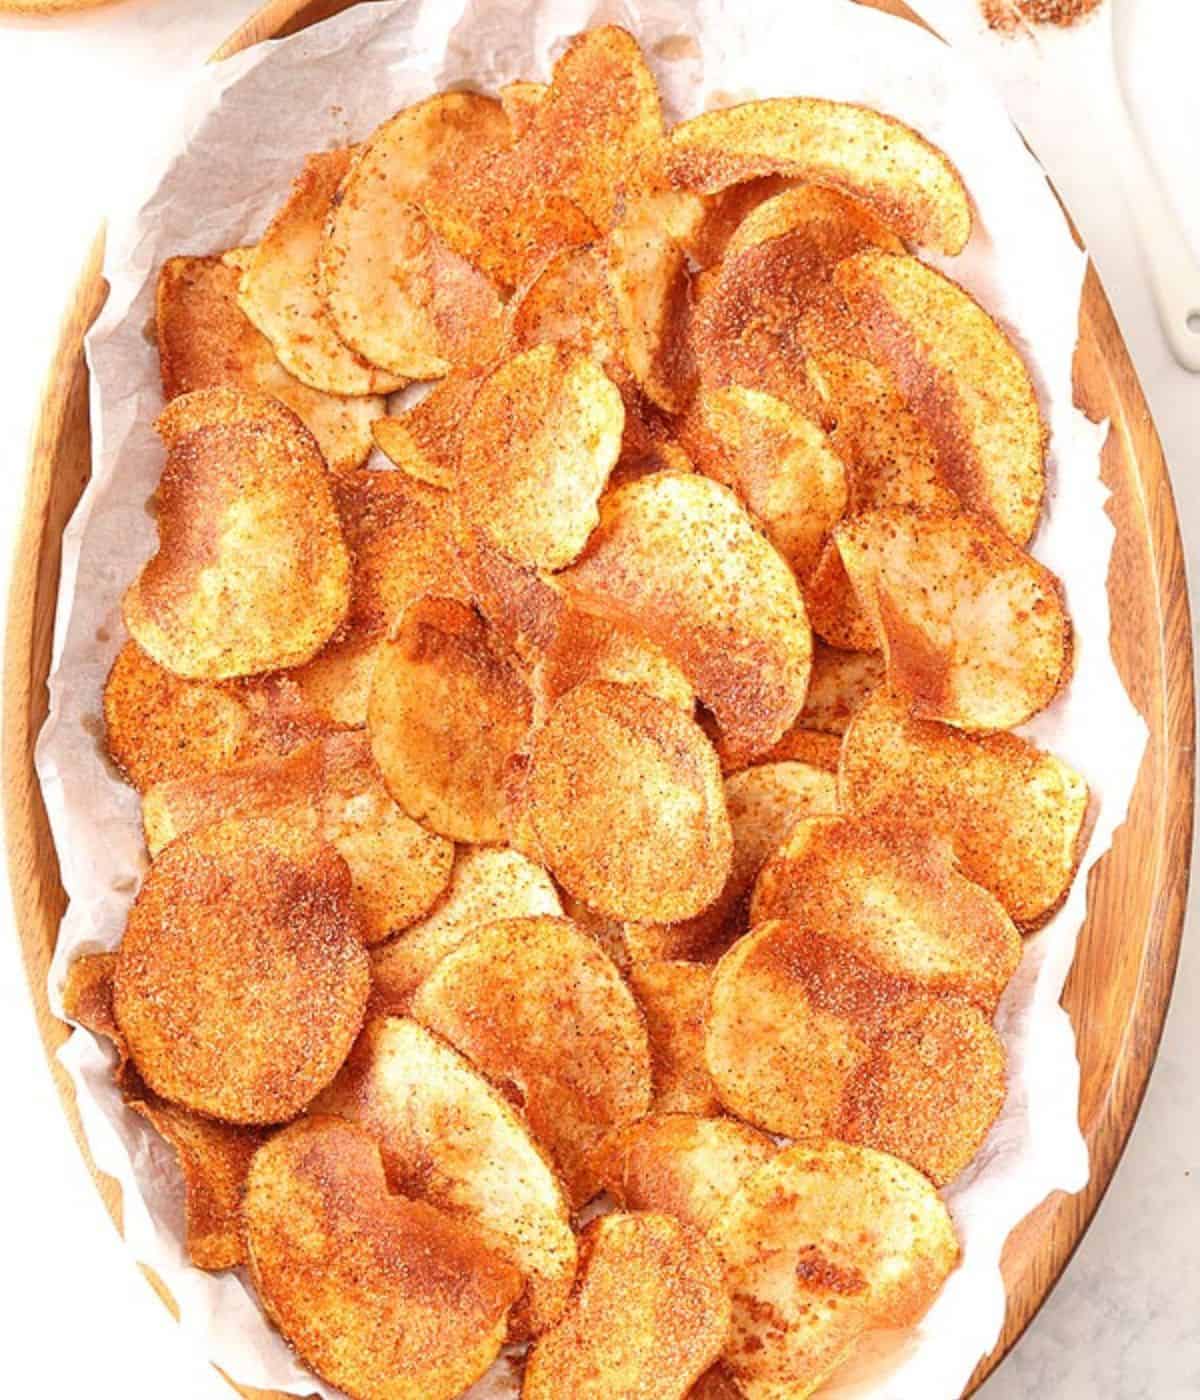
(1119, 987)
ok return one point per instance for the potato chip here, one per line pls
(87, 997)
(520, 101)
(395, 291)
(764, 803)
(400, 534)
(820, 1244)
(446, 710)
(538, 1008)
(964, 380)
(650, 443)
(568, 302)
(425, 440)
(542, 435)
(975, 631)
(676, 555)
(650, 285)
(822, 212)
(1015, 815)
(385, 1297)
(809, 746)
(522, 605)
(280, 291)
(649, 1315)
(717, 1384)
(682, 1165)
(873, 158)
(205, 340)
(159, 727)
(778, 462)
(673, 996)
(841, 682)
(626, 804)
(399, 869)
(932, 1089)
(252, 571)
(242, 980)
(897, 897)
(487, 884)
(449, 1137)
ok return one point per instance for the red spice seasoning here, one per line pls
(1009, 15)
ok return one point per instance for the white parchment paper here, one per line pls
(249, 123)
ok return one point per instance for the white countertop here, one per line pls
(80, 107)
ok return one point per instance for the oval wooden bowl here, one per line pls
(1121, 981)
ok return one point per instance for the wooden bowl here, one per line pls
(1119, 987)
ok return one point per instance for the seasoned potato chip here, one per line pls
(650, 443)
(834, 611)
(819, 1244)
(682, 1165)
(897, 897)
(823, 213)
(87, 997)
(677, 556)
(717, 1384)
(399, 869)
(280, 293)
(963, 379)
(674, 999)
(649, 1315)
(542, 435)
(779, 463)
(650, 284)
(764, 803)
(932, 1089)
(522, 605)
(975, 631)
(874, 158)
(1015, 815)
(395, 291)
(425, 440)
(449, 1137)
(386, 1298)
(625, 802)
(841, 682)
(402, 545)
(252, 571)
(159, 727)
(242, 980)
(446, 711)
(810, 746)
(487, 884)
(520, 101)
(538, 1008)
(569, 302)
(205, 340)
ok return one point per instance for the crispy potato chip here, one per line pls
(398, 868)
(568, 301)
(975, 631)
(823, 213)
(810, 746)
(932, 1089)
(874, 158)
(625, 802)
(841, 682)
(764, 803)
(779, 463)
(677, 556)
(964, 380)
(386, 1298)
(87, 997)
(450, 1138)
(159, 727)
(542, 435)
(402, 545)
(280, 291)
(486, 884)
(425, 440)
(649, 445)
(704, 224)
(1015, 815)
(649, 1315)
(650, 284)
(520, 101)
(682, 1165)
(395, 291)
(674, 999)
(252, 571)
(836, 615)
(242, 980)
(819, 1244)
(522, 605)
(446, 711)
(896, 896)
(205, 340)
(541, 1011)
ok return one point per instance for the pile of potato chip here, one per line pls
(608, 798)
